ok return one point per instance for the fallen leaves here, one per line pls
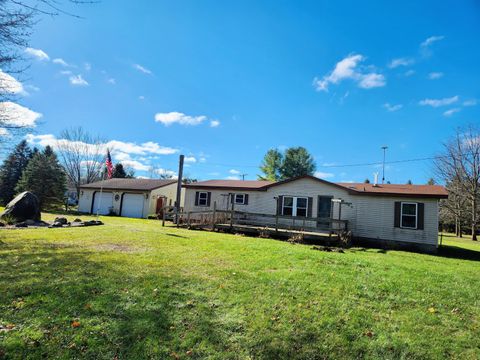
(75, 324)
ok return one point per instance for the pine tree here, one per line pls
(119, 171)
(45, 177)
(271, 165)
(431, 181)
(12, 169)
(297, 162)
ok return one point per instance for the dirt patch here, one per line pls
(118, 248)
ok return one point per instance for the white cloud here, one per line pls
(78, 80)
(435, 75)
(347, 68)
(429, 41)
(142, 69)
(471, 102)
(400, 62)
(439, 102)
(141, 97)
(323, 175)
(451, 112)
(87, 66)
(232, 178)
(409, 72)
(13, 114)
(391, 107)
(60, 61)
(111, 81)
(234, 172)
(136, 165)
(372, 80)
(190, 159)
(214, 123)
(65, 72)
(4, 132)
(170, 118)
(10, 85)
(37, 53)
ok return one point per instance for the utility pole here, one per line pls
(179, 186)
(243, 176)
(383, 166)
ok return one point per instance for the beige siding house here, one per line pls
(137, 198)
(403, 214)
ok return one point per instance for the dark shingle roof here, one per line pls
(129, 184)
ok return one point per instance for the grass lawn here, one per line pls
(132, 289)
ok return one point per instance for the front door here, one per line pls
(324, 211)
(159, 208)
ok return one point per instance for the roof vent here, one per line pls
(375, 179)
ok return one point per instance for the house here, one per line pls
(379, 213)
(135, 198)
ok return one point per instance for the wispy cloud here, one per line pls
(111, 81)
(214, 123)
(61, 62)
(190, 159)
(174, 117)
(471, 102)
(348, 68)
(432, 39)
(450, 112)
(323, 175)
(435, 75)
(392, 108)
(400, 62)
(37, 53)
(439, 102)
(142, 69)
(78, 80)
(409, 73)
(87, 66)
(234, 172)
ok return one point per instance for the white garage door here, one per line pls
(102, 203)
(132, 205)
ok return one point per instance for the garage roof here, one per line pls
(129, 184)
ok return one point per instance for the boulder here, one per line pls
(25, 206)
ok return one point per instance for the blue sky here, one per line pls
(224, 81)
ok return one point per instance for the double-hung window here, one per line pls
(203, 198)
(239, 199)
(409, 215)
(295, 206)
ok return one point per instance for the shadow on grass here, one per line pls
(456, 252)
(121, 313)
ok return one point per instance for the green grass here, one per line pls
(138, 290)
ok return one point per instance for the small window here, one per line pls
(240, 199)
(295, 206)
(202, 198)
(409, 212)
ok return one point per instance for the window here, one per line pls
(240, 199)
(295, 206)
(202, 198)
(409, 213)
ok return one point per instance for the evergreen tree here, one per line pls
(45, 177)
(297, 162)
(119, 171)
(431, 181)
(12, 169)
(409, 182)
(367, 181)
(271, 165)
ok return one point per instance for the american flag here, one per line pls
(109, 165)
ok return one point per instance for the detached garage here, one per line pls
(136, 198)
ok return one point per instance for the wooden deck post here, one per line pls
(232, 214)
(188, 220)
(164, 215)
(177, 217)
(214, 215)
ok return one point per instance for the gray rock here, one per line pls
(24, 206)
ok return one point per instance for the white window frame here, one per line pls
(200, 198)
(239, 202)
(402, 215)
(294, 205)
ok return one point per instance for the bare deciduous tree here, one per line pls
(82, 156)
(459, 165)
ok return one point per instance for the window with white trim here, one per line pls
(202, 198)
(239, 199)
(409, 215)
(295, 206)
